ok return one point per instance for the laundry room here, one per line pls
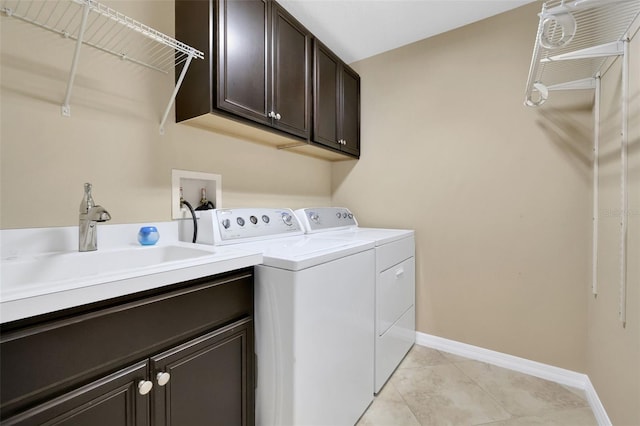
(523, 198)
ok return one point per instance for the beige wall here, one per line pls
(498, 193)
(500, 197)
(613, 351)
(112, 137)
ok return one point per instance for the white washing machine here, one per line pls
(314, 303)
(395, 327)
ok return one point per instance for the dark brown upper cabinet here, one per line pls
(241, 38)
(257, 64)
(336, 95)
(291, 77)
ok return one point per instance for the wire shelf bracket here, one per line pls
(609, 49)
(93, 24)
(584, 84)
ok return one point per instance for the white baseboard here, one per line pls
(522, 365)
(596, 405)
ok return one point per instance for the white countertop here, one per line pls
(22, 298)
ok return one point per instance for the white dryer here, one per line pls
(395, 330)
(313, 309)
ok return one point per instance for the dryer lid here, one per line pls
(297, 253)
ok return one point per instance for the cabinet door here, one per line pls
(350, 111)
(326, 106)
(291, 74)
(243, 52)
(211, 380)
(111, 401)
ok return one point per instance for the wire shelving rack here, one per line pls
(90, 23)
(575, 45)
(574, 42)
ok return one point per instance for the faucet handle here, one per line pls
(103, 215)
(87, 200)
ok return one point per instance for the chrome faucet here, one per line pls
(90, 214)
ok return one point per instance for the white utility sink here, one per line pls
(40, 272)
(47, 269)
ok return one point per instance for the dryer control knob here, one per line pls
(226, 223)
(314, 217)
(287, 219)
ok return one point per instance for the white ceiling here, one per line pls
(358, 29)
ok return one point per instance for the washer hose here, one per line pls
(206, 205)
(195, 221)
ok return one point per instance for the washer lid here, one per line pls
(297, 253)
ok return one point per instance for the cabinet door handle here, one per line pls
(278, 116)
(163, 378)
(144, 386)
(399, 272)
(271, 114)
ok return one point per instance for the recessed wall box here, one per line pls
(192, 184)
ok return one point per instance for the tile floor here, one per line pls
(432, 388)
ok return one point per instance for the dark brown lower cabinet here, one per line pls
(208, 384)
(110, 401)
(179, 356)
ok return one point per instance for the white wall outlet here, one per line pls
(192, 184)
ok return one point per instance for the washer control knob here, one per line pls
(240, 221)
(226, 223)
(253, 219)
(314, 217)
(287, 219)
(265, 218)
(350, 215)
(338, 215)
